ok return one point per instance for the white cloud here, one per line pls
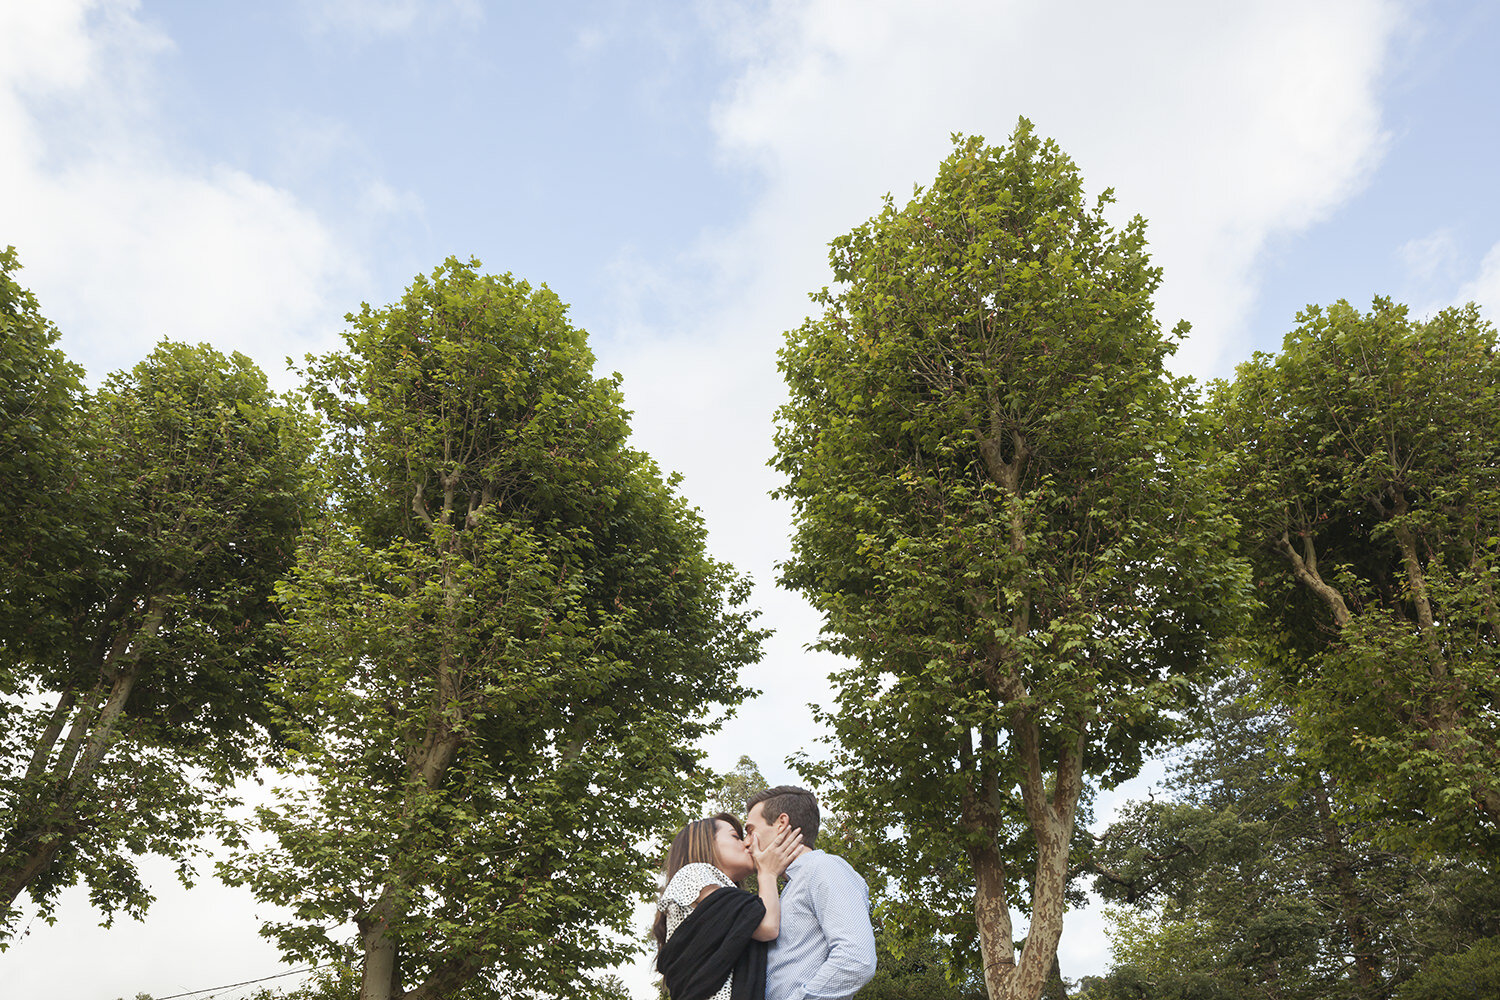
(1484, 288)
(588, 41)
(56, 46)
(380, 200)
(1223, 127)
(1432, 267)
(1447, 276)
(1223, 124)
(1429, 257)
(126, 241)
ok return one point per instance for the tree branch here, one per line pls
(44, 744)
(1305, 569)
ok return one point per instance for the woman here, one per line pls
(710, 933)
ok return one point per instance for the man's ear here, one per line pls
(783, 820)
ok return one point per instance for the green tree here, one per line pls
(1473, 975)
(1244, 886)
(137, 677)
(41, 397)
(504, 647)
(735, 787)
(1367, 478)
(917, 972)
(1002, 512)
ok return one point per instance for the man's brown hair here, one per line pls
(800, 806)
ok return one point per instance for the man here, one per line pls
(826, 949)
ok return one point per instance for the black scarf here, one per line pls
(713, 943)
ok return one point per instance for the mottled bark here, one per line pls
(427, 767)
(1050, 811)
(378, 979)
(1051, 802)
(997, 947)
(42, 752)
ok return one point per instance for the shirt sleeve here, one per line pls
(841, 901)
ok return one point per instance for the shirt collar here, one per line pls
(800, 858)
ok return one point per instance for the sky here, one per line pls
(247, 174)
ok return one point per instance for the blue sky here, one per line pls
(246, 174)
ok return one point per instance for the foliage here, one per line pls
(40, 407)
(504, 647)
(1244, 885)
(1367, 471)
(330, 982)
(1472, 975)
(1003, 513)
(734, 788)
(917, 972)
(139, 665)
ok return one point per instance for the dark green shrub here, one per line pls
(1469, 975)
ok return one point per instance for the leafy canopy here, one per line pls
(504, 645)
(1367, 477)
(1004, 513)
(135, 643)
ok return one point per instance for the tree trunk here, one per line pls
(20, 869)
(1050, 808)
(1305, 569)
(1039, 954)
(378, 980)
(1366, 962)
(1050, 812)
(102, 736)
(42, 752)
(997, 948)
(42, 834)
(380, 974)
(1489, 801)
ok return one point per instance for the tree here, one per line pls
(1367, 477)
(1473, 975)
(1002, 513)
(504, 644)
(918, 972)
(41, 395)
(329, 982)
(139, 667)
(1243, 885)
(734, 789)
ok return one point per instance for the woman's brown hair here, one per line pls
(693, 843)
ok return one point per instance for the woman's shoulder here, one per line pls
(690, 881)
(702, 872)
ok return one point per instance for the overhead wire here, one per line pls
(230, 986)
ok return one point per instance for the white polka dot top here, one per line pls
(681, 895)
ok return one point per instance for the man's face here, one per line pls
(758, 828)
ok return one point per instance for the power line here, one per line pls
(248, 982)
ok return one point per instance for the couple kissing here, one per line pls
(810, 940)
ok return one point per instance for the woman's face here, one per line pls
(732, 852)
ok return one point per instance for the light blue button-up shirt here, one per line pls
(826, 948)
